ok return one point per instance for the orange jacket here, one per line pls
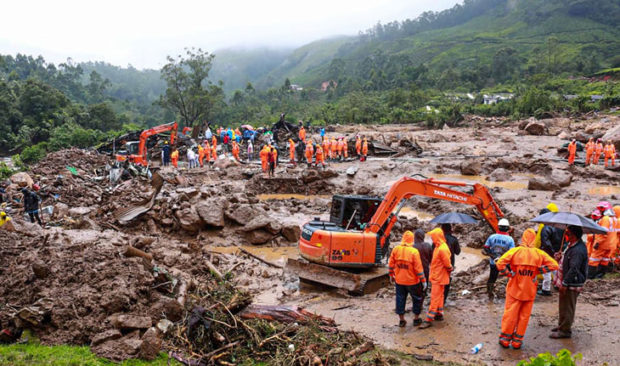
(302, 133)
(523, 264)
(405, 264)
(340, 145)
(590, 147)
(605, 241)
(609, 150)
(214, 141)
(365, 147)
(207, 152)
(175, 155)
(334, 145)
(572, 148)
(309, 149)
(263, 154)
(358, 144)
(291, 149)
(598, 150)
(441, 266)
(319, 153)
(213, 153)
(201, 152)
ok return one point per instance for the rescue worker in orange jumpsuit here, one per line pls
(302, 133)
(334, 147)
(358, 145)
(407, 272)
(309, 152)
(264, 155)
(598, 150)
(364, 149)
(326, 150)
(345, 148)
(602, 246)
(572, 151)
(291, 151)
(339, 148)
(595, 216)
(201, 155)
(235, 150)
(175, 158)
(589, 150)
(214, 143)
(522, 265)
(610, 153)
(213, 153)
(318, 156)
(440, 269)
(207, 151)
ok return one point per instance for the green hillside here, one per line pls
(499, 38)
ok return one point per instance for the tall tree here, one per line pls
(188, 92)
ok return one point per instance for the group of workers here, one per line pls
(554, 253)
(594, 151)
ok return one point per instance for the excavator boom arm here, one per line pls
(172, 126)
(406, 188)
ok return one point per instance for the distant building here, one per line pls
(595, 97)
(570, 96)
(295, 87)
(329, 83)
(496, 98)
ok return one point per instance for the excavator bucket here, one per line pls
(361, 283)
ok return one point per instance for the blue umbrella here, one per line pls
(453, 218)
(563, 220)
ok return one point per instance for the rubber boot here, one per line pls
(592, 272)
(490, 288)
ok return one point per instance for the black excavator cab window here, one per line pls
(353, 212)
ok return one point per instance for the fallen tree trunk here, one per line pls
(135, 252)
(284, 314)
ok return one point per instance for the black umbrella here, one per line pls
(453, 218)
(564, 219)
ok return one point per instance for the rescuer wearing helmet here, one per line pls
(496, 245)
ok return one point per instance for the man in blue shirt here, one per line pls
(495, 246)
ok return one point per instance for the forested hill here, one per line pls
(476, 44)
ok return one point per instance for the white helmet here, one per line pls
(503, 222)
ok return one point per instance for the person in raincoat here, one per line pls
(521, 264)
(439, 276)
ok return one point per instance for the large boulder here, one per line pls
(189, 219)
(263, 222)
(613, 135)
(537, 128)
(500, 175)
(22, 179)
(151, 344)
(556, 180)
(241, 214)
(130, 321)
(212, 211)
(291, 232)
(471, 167)
(259, 236)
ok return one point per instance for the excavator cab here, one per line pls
(353, 212)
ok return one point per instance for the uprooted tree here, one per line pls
(188, 91)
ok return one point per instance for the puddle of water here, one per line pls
(468, 258)
(277, 255)
(604, 190)
(410, 213)
(287, 196)
(511, 185)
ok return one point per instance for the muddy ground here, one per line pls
(80, 266)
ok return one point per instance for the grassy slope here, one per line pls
(32, 354)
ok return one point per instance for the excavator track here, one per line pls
(361, 283)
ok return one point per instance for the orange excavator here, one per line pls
(135, 151)
(348, 251)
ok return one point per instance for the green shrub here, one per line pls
(34, 153)
(562, 358)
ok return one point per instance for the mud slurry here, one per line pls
(202, 215)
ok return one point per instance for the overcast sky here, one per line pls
(142, 33)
